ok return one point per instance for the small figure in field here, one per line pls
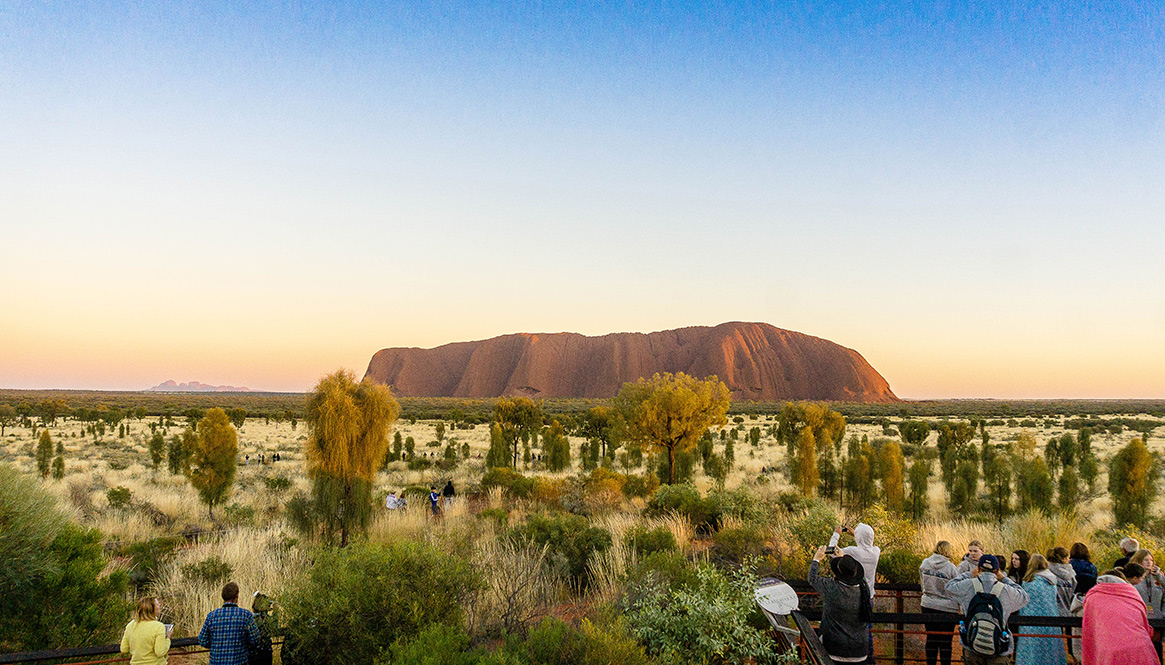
(434, 500)
(262, 609)
(391, 502)
(247, 460)
(448, 493)
(401, 501)
(146, 639)
(230, 632)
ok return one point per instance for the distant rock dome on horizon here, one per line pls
(757, 361)
(172, 386)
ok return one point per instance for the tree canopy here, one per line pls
(672, 411)
(213, 453)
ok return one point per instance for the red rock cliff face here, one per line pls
(757, 362)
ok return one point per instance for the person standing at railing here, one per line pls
(1057, 558)
(986, 578)
(933, 575)
(1152, 585)
(971, 558)
(230, 632)
(1041, 587)
(263, 610)
(846, 608)
(1116, 625)
(145, 639)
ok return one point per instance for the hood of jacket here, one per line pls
(1047, 576)
(1063, 570)
(935, 561)
(1110, 579)
(864, 535)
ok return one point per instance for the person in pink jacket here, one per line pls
(1116, 624)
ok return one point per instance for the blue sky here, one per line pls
(968, 194)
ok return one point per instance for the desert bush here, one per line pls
(515, 484)
(518, 588)
(239, 513)
(898, 565)
(799, 533)
(357, 601)
(148, 557)
(53, 588)
(569, 539)
(500, 516)
(554, 642)
(686, 500)
(740, 502)
(436, 644)
(277, 484)
(734, 545)
(119, 497)
(210, 570)
(706, 622)
(646, 541)
(641, 486)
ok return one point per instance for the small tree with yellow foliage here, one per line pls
(213, 453)
(348, 429)
(671, 412)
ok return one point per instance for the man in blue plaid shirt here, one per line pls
(230, 632)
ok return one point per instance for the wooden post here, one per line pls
(899, 637)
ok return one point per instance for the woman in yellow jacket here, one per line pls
(146, 640)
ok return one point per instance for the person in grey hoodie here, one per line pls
(971, 558)
(1065, 578)
(864, 550)
(1012, 598)
(846, 608)
(933, 574)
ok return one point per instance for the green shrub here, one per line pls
(515, 484)
(660, 572)
(436, 644)
(239, 513)
(570, 539)
(210, 570)
(119, 497)
(357, 601)
(899, 566)
(500, 516)
(147, 558)
(53, 590)
(641, 486)
(707, 622)
(737, 544)
(740, 502)
(277, 483)
(554, 642)
(648, 541)
(686, 500)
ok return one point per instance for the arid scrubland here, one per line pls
(110, 483)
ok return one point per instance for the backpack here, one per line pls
(983, 630)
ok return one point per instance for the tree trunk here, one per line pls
(671, 465)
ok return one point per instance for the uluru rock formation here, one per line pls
(756, 360)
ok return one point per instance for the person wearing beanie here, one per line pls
(1012, 598)
(846, 607)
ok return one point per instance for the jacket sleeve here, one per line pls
(814, 578)
(206, 634)
(161, 643)
(252, 634)
(125, 639)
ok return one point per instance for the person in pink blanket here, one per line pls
(1116, 624)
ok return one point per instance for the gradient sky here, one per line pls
(972, 195)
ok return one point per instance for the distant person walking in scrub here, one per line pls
(846, 608)
(448, 493)
(145, 639)
(933, 574)
(434, 500)
(230, 632)
(1041, 587)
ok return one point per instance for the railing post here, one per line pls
(899, 637)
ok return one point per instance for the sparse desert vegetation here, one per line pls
(564, 543)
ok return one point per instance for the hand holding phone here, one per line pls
(169, 630)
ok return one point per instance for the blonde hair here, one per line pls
(1139, 557)
(975, 543)
(943, 548)
(1035, 564)
(146, 610)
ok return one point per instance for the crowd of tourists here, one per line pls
(973, 600)
(232, 635)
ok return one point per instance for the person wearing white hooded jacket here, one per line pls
(865, 551)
